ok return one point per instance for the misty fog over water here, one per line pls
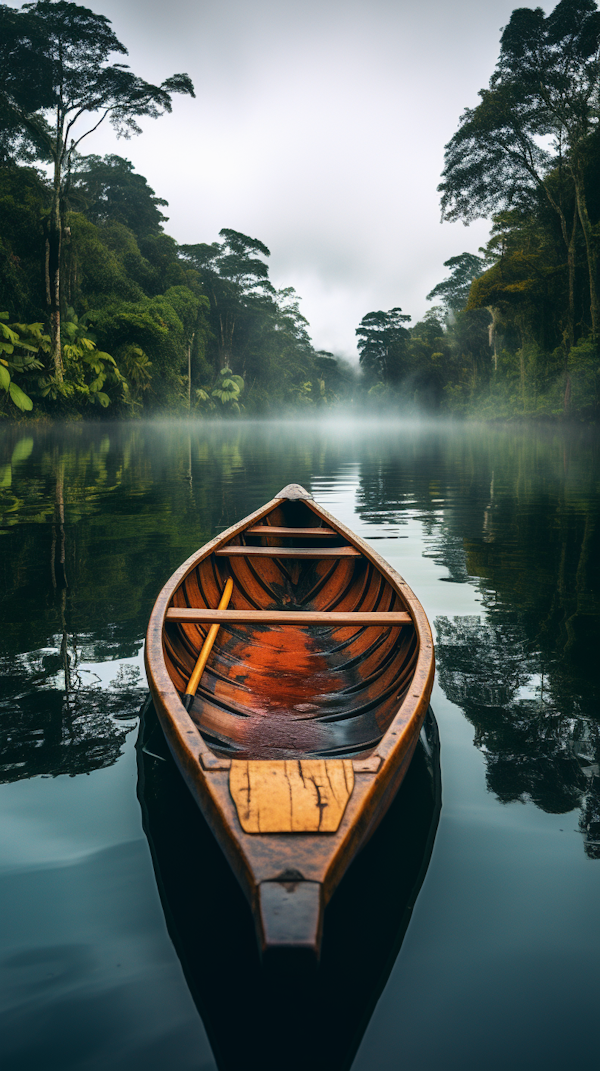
(497, 530)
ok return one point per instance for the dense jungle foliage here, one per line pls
(101, 310)
(516, 329)
(140, 312)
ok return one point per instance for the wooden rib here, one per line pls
(286, 617)
(306, 533)
(287, 552)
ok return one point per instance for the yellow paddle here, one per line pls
(207, 646)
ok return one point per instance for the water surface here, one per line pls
(497, 532)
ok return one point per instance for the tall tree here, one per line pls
(453, 292)
(61, 88)
(554, 64)
(382, 344)
(111, 191)
(236, 280)
(545, 86)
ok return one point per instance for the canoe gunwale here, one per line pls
(321, 857)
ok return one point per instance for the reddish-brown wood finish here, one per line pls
(327, 690)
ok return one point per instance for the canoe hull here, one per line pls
(289, 877)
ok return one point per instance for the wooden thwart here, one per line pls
(306, 533)
(192, 615)
(287, 552)
(292, 796)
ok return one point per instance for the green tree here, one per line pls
(18, 142)
(236, 280)
(545, 86)
(111, 191)
(454, 291)
(86, 368)
(383, 345)
(24, 200)
(228, 389)
(553, 66)
(61, 88)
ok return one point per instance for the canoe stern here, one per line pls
(289, 919)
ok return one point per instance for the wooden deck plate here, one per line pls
(292, 796)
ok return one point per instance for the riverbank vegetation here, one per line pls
(104, 312)
(516, 329)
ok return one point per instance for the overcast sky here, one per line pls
(319, 127)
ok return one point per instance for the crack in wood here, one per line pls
(291, 796)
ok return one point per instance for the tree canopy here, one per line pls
(110, 191)
(59, 87)
(530, 135)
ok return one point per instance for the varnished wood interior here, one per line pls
(310, 691)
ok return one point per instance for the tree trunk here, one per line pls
(47, 273)
(569, 340)
(189, 358)
(53, 275)
(227, 328)
(571, 271)
(493, 333)
(522, 373)
(590, 247)
(569, 240)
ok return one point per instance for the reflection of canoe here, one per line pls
(268, 1019)
(309, 711)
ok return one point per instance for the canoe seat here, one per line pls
(195, 616)
(305, 533)
(287, 552)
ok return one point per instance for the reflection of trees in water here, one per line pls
(119, 507)
(53, 730)
(73, 729)
(93, 520)
(535, 748)
(516, 515)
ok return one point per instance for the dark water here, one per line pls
(498, 963)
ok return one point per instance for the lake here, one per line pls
(488, 938)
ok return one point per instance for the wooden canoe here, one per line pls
(309, 710)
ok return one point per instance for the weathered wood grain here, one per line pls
(293, 796)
